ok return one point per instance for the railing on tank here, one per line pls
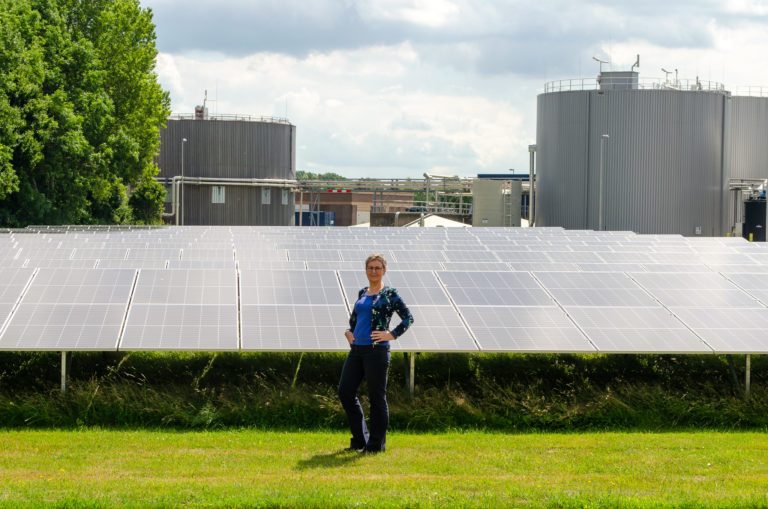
(229, 117)
(752, 91)
(617, 83)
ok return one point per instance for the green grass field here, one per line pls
(248, 468)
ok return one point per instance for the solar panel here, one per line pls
(64, 327)
(183, 309)
(703, 290)
(753, 284)
(675, 268)
(543, 267)
(335, 265)
(595, 289)
(299, 328)
(475, 266)
(610, 267)
(636, 330)
(415, 287)
(314, 254)
(80, 286)
(417, 256)
(186, 286)
(573, 257)
(470, 256)
(12, 284)
(202, 264)
(435, 329)
(510, 329)
(131, 264)
(494, 289)
(582, 271)
(79, 309)
(180, 327)
(729, 330)
(55, 263)
(262, 287)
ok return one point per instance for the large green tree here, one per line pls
(80, 112)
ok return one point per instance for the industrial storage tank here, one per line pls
(658, 145)
(228, 169)
(748, 149)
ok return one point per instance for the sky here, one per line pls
(397, 88)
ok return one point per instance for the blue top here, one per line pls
(382, 306)
(364, 311)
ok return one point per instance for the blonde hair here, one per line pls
(376, 257)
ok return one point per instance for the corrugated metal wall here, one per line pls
(663, 162)
(562, 159)
(228, 149)
(242, 206)
(749, 137)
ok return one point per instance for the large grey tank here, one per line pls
(670, 149)
(220, 156)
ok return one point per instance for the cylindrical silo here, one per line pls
(662, 161)
(748, 151)
(237, 170)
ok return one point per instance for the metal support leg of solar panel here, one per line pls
(748, 377)
(64, 371)
(409, 359)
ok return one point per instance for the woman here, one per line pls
(369, 336)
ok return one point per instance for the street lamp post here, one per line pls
(601, 207)
(183, 141)
(532, 186)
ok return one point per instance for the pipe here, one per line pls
(177, 181)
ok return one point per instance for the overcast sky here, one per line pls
(396, 88)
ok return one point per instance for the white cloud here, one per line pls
(429, 13)
(399, 87)
(367, 112)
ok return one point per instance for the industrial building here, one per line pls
(649, 156)
(351, 207)
(228, 169)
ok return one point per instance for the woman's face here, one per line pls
(375, 271)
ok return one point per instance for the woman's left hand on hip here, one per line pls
(381, 335)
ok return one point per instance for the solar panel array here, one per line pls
(291, 289)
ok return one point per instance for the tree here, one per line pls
(308, 175)
(147, 198)
(80, 110)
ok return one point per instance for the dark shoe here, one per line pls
(354, 449)
(372, 451)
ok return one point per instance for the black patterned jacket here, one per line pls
(385, 304)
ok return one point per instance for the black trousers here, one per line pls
(371, 364)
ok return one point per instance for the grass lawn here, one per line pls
(93, 468)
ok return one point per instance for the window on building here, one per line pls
(285, 197)
(266, 196)
(217, 194)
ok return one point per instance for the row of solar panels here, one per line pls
(108, 309)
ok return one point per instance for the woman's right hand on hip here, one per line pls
(350, 337)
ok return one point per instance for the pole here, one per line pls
(748, 377)
(411, 374)
(532, 186)
(64, 372)
(600, 218)
(301, 206)
(183, 141)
